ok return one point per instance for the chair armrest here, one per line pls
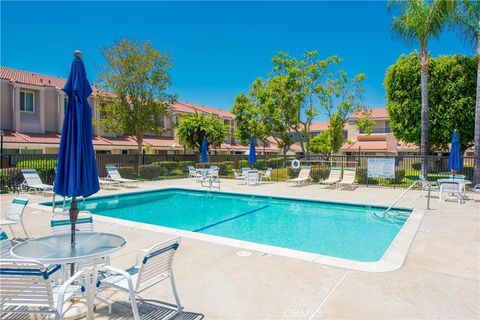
(64, 287)
(123, 273)
(139, 256)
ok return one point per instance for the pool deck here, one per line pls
(439, 277)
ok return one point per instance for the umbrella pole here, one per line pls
(73, 220)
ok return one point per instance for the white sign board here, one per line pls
(381, 168)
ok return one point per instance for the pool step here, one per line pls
(393, 216)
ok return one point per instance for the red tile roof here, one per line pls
(13, 137)
(377, 114)
(156, 141)
(31, 78)
(37, 79)
(192, 108)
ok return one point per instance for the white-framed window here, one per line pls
(65, 103)
(27, 101)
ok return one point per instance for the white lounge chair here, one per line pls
(155, 267)
(34, 182)
(27, 287)
(14, 214)
(107, 184)
(253, 177)
(114, 175)
(334, 176)
(303, 175)
(267, 176)
(348, 178)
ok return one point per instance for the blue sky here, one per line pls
(218, 48)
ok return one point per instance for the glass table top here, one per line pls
(57, 248)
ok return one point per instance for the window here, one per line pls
(65, 103)
(27, 101)
(387, 126)
(31, 151)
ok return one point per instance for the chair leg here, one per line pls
(133, 300)
(11, 230)
(24, 230)
(174, 289)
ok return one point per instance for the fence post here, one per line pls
(428, 195)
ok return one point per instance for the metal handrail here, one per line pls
(385, 213)
(401, 196)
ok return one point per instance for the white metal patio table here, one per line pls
(461, 183)
(57, 249)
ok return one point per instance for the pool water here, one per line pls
(335, 229)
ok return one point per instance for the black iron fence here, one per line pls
(154, 167)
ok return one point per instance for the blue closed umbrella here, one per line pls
(76, 173)
(204, 151)
(252, 155)
(454, 159)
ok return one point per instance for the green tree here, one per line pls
(193, 128)
(339, 97)
(467, 20)
(420, 20)
(452, 94)
(365, 122)
(305, 78)
(249, 119)
(136, 75)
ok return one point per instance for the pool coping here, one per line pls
(393, 258)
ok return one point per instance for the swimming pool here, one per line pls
(342, 230)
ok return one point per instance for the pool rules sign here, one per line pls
(381, 168)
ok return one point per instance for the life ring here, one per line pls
(295, 164)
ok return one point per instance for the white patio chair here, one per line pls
(34, 182)
(5, 245)
(155, 267)
(60, 223)
(428, 184)
(476, 189)
(238, 176)
(192, 173)
(114, 175)
(334, 177)
(303, 175)
(27, 287)
(267, 176)
(253, 177)
(348, 179)
(14, 214)
(453, 188)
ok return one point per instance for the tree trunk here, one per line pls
(140, 153)
(476, 138)
(424, 115)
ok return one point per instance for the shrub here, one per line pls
(416, 166)
(223, 168)
(320, 173)
(44, 167)
(149, 171)
(127, 172)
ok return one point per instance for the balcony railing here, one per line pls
(375, 130)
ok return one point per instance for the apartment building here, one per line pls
(33, 107)
(378, 141)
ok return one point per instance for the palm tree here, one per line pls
(467, 21)
(419, 21)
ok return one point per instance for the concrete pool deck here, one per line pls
(439, 278)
